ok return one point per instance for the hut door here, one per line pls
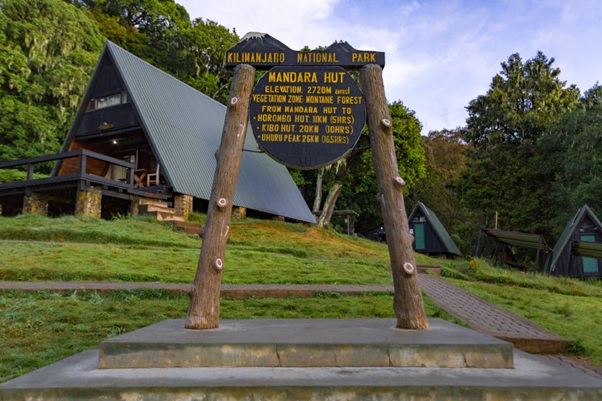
(419, 236)
(590, 265)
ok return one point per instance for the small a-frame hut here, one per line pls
(430, 237)
(578, 252)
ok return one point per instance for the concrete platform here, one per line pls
(305, 343)
(79, 378)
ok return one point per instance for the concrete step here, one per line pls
(160, 211)
(155, 202)
(189, 227)
(150, 208)
(168, 216)
(305, 343)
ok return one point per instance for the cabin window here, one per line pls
(107, 101)
(590, 265)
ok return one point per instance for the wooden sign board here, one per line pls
(307, 117)
(260, 50)
(306, 111)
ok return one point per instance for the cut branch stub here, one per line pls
(408, 268)
(400, 181)
(386, 122)
(218, 264)
(233, 101)
(222, 202)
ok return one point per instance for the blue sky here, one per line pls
(440, 54)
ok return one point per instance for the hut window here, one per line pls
(107, 101)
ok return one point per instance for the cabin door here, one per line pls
(420, 242)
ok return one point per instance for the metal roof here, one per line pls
(184, 127)
(591, 249)
(437, 226)
(567, 234)
(518, 239)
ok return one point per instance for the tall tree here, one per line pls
(48, 49)
(505, 170)
(160, 31)
(573, 149)
(203, 50)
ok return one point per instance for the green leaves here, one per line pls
(507, 172)
(48, 51)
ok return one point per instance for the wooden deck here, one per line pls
(73, 171)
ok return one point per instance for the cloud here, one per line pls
(440, 54)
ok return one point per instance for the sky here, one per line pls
(439, 54)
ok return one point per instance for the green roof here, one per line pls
(518, 239)
(591, 249)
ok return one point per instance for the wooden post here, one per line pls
(407, 303)
(203, 312)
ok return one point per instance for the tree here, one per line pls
(445, 162)
(573, 149)
(360, 189)
(48, 49)
(506, 173)
(204, 47)
(338, 168)
(160, 31)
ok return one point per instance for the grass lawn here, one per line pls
(41, 328)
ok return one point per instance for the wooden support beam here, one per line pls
(407, 303)
(203, 312)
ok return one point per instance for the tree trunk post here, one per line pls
(340, 168)
(318, 197)
(204, 309)
(407, 302)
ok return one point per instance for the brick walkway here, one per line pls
(477, 313)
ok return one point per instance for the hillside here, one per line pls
(39, 328)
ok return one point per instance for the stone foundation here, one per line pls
(88, 203)
(35, 203)
(239, 213)
(135, 206)
(183, 204)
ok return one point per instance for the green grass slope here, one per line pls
(41, 328)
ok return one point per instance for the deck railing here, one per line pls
(81, 173)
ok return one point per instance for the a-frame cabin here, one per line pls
(142, 134)
(430, 236)
(578, 251)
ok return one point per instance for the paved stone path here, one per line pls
(477, 313)
(488, 318)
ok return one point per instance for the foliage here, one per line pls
(573, 148)
(160, 32)
(506, 173)
(48, 49)
(445, 162)
(12, 175)
(205, 45)
(360, 189)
